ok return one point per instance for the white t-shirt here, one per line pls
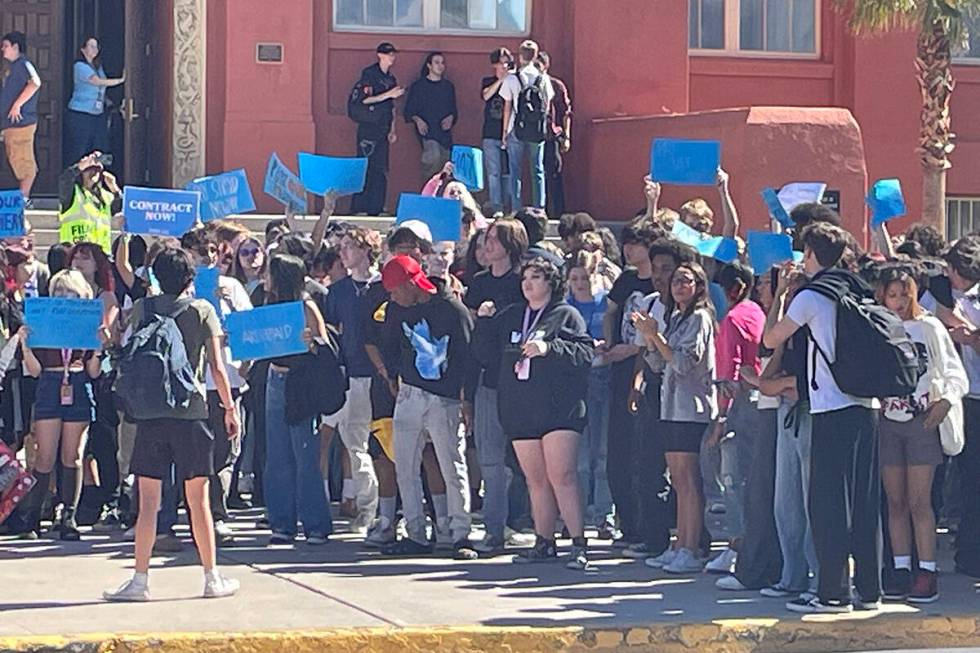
(236, 300)
(904, 409)
(815, 311)
(968, 303)
(510, 90)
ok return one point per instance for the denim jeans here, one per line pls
(498, 178)
(792, 494)
(517, 151)
(491, 453)
(293, 484)
(736, 459)
(418, 412)
(592, 478)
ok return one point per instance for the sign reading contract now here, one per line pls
(160, 211)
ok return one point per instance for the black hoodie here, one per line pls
(556, 388)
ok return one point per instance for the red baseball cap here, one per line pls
(403, 269)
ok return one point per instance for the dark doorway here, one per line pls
(106, 21)
(42, 22)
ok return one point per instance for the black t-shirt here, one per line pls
(493, 112)
(434, 344)
(628, 292)
(375, 82)
(432, 102)
(502, 291)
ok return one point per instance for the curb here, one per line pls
(809, 635)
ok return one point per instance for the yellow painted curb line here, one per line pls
(857, 632)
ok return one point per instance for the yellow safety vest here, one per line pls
(85, 220)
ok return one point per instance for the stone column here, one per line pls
(189, 83)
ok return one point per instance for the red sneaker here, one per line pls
(925, 587)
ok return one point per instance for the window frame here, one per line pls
(732, 38)
(962, 200)
(431, 16)
(969, 60)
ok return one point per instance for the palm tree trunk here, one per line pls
(934, 73)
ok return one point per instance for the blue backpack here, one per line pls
(154, 377)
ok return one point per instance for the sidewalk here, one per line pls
(54, 589)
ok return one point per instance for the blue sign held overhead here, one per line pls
(716, 247)
(63, 322)
(159, 211)
(223, 195)
(267, 332)
(468, 166)
(768, 249)
(11, 213)
(443, 216)
(283, 185)
(801, 192)
(776, 209)
(886, 201)
(320, 174)
(685, 162)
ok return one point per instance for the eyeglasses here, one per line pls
(682, 281)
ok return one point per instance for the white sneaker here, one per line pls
(361, 523)
(380, 533)
(730, 584)
(131, 591)
(130, 534)
(684, 562)
(222, 529)
(662, 560)
(217, 586)
(723, 564)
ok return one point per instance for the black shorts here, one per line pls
(683, 437)
(162, 442)
(571, 417)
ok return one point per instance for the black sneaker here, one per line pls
(543, 551)
(579, 560)
(68, 529)
(897, 585)
(407, 547)
(816, 606)
(463, 550)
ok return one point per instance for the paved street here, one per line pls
(55, 588)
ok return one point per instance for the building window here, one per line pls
(467, 16)
(971, 52)
(962, 216)
(753, 27)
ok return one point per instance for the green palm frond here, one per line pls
(875, 16)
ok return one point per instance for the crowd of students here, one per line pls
(591, 387)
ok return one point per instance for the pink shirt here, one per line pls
(739, 336)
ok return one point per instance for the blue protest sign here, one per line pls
(886, 201)
(223, 195)
(716, 247)
(206, 286)
(11, 213)
(63, 322)
(267, 332)
(468, 166)
(159, 211)
(692, 163)
(776, 209)
(767, 249)
(283, 185)
(319, 174)
(444, 216)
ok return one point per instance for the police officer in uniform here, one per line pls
(372, 106)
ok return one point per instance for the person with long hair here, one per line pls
(64, 406)
(94, 265)
(688, 403)
(431, 106)
(910, 441)
(494, 289)
(543, 352)
(86, 123)
(292, 480)
(249, 263)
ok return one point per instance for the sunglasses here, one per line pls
(249, 252)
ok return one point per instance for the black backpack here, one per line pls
(876, 358)
(531, 124)
(370, 114)
(154, 377)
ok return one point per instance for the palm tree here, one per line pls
(942, 30)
